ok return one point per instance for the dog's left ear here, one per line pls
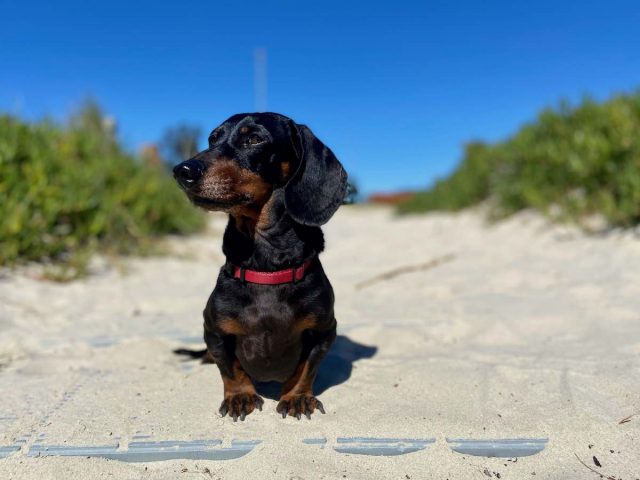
(318, 187)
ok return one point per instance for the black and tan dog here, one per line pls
(270, 316)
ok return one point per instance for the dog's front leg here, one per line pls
(240, 397)
(297, 393)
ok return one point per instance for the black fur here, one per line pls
(319, 186)
(267, 233)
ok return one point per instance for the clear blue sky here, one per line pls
(394, 88)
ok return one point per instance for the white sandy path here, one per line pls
(531, 330)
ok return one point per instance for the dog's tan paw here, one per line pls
(239, 405)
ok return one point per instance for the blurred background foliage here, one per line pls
(71, 190)
(180, 142)
(572, 162)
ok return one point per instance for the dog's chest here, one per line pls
(270, 348)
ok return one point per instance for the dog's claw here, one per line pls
(240, 405)
(296, 405)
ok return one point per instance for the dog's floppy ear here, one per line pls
(317, 188)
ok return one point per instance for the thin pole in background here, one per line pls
(260, 79)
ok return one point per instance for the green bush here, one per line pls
(572, 161)
(66, 192)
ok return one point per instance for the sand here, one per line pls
(517, 330)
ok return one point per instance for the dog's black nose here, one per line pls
(189, 172)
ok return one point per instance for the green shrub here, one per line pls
(464, 187)
(572, 162)
(66, 192)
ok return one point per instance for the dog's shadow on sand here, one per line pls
(335, 369)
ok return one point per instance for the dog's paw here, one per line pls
(297, 405)
(239, 405)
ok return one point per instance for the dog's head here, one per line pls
(250, 156)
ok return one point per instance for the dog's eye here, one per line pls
(254, 140)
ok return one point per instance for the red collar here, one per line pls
(288, 275)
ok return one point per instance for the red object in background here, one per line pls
(390, 198)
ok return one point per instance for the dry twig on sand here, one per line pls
(627, 419)
(405, 269)
(601, 475)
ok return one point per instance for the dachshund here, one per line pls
(270, 316)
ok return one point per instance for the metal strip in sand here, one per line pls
(6, 451)
(152, 451)
(505, 448)
(381, 446)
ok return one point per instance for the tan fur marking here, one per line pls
(219, 181)
(253, 184)
(231, 326)
(285, 168)
(264, 217)
(305, 324)
(240, 383)
(299, 383)
(225, 181)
